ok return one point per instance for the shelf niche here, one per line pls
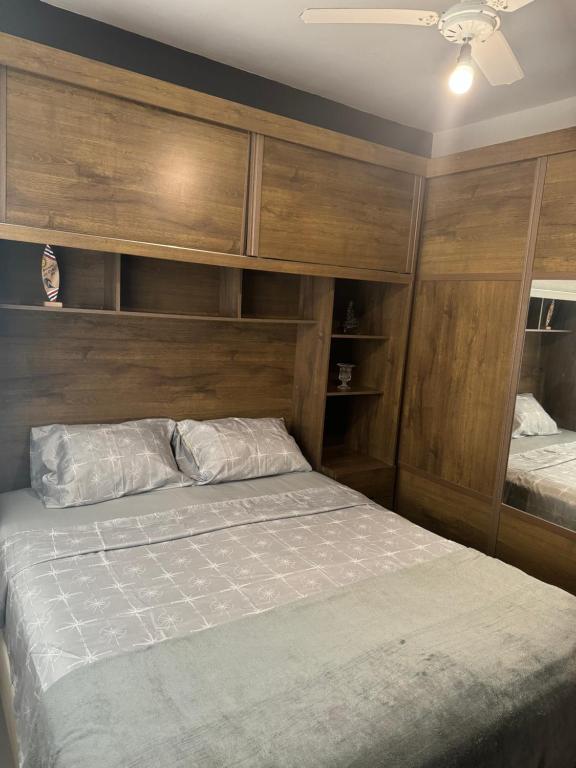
(88, 279)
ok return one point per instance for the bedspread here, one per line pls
(78, 595)
(543, 483)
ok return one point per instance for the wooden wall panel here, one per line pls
(85, 369)
(540, 548)
(445, 509)
(152, 285)
(556, 243)
(531, 371)
(86, 162)
(459, 369)
(319, 207)
(477, 222)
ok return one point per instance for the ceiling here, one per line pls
(398, 73)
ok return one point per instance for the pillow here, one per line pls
(531, 419)
(83, 464)
(222, 450)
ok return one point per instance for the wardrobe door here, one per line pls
(326, 209)
(556, 243)
(467, 303)
(83, 161)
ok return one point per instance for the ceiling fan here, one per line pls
(472, 24)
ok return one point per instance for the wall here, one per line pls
(52, 26)
(516, 125)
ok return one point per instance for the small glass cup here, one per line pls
(345, 375)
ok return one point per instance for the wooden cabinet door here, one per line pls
(458, 381)
(461, 361)
(322, 208)
(556, 243)
(82, 161)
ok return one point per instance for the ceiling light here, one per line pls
(462, 77)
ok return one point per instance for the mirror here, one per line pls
(541, 474)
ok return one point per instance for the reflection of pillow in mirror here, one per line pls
(531, 419)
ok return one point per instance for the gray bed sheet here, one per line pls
(523, 444)
(541, 477)
(90, 583)
(22, 510)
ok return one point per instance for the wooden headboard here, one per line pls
(221, 351)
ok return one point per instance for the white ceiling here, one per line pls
(398, 73)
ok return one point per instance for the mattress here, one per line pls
(541, 477)
(126, 603)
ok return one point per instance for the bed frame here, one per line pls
(7, 697)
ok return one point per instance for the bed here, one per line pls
(280, 622)
(541, 477)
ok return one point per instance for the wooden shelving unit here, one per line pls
(361, 424)
(112, 285)
(226, 333)
(333, 391)
(155, 315)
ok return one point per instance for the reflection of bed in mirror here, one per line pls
(541, 477)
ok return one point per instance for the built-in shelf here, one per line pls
(155, 315)
(338, 461)
(359, 336)
(333, 391)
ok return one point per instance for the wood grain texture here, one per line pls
(273, 294)
(477, 222)
(86, 369)
(41, 235)
(90, 163)
(446, 510)
(531, 371)
(311, 367)
(546, 551)
(363, 473)
(556, 243)
(3, 142)
(506, 152)
(70, 68)
(151, 285)
(558, 366)
(336, 210)
(460, 364)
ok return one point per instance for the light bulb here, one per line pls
(461, 78)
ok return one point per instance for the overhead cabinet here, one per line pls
(556, 243)
(327, 209)
(86, 162)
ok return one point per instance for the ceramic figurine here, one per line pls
(550, 315)
(50, 277)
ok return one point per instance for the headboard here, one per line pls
(138, 338)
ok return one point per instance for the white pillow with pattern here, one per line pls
(223, 450)
(530, 419)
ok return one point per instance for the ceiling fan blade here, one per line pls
(497, 60)
(508, 6)
(369, 16)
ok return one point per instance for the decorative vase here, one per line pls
(345, 375)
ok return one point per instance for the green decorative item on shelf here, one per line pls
(51, 278)
(351, 323)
